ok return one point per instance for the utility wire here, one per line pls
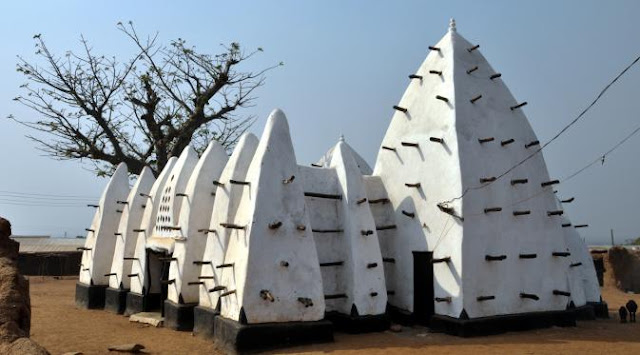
(563, 130)
(47, 195)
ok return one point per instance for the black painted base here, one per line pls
(503, 323)
(358, 324)
(178, 316)
(115, 300)
(585, 312)
(401, 316)
(203, 321)
(90, 296)
(137, 303)
(234, 337)
(601, 309)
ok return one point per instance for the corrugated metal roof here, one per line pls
(48, 245)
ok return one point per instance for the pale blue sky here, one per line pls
(346, 65)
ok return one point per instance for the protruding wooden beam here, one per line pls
(531, 144)
(388, 148)
(495, 257)
(410, 144)
(486, 140)
(521, 213)
(446, 259)
(507, 142)
(223, 266)
(476, 98)
(555, 213)
(321, 195)
(575, 264)
(563, 254)
(289, 180)
(416, 185)
(236, 182)
(549, 183)
(408, 214)
(389, 260)
(435, 72)
(473, 48)
(487, 179)
(361, 201)
(366, 232)
(434, 48)
(528, 256)
(492, 209)
(415, 76)
(333, 297)
(436, 139)
(495, 76)
(323, 231)
(569, 200)
(443, 299)
(218, 183)
(371, 265)
(382, 228)
(485, 298)
(379, 200)
(401, 109)
(519, 181)
(231, 226)
(562, 293)
(472, 70)
(529, 296)
(442, 98)
(275, 225)
(518, 106)
(581, 226)
(333, 263)
(565, 225)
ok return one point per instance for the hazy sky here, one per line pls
(346, 65)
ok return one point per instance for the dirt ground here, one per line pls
(60, 327)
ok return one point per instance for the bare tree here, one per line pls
(141, 111)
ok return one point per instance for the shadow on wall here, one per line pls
(625, 268)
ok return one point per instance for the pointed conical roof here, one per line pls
(97, 254)
(325, 160)
(275, 274)
(195, 216)
(130, 221)
(456, 129)
(227, 199)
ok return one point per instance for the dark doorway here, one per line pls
(157, 274)
(423, 307)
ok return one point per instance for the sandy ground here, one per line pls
(60, 327)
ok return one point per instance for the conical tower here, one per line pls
(97, 253)
(126, 238)
(271, 272)
(489, 234)
(227, 199)
(195, 215)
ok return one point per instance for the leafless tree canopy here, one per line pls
(141, 111)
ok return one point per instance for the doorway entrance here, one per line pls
(423, 307)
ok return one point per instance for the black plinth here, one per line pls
(178, 316)
(90, 296)
(115, 300)
(203, 321)
(234, 337)
(137, 303)
(601, 309)
(358, 324)
(502, 323)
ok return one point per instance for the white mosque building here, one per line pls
(448, 229)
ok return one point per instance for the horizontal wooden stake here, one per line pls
(415, 76)
(333, 263)
(441, 260)
(410, 144)
(218, 183)
(563, 254)
(231, 226)
(236, 182)
(321, 195)
(436, 72)
(562, 293)
(575, 264)
(389, 260)
(388, 148)
(529, 296)
(202, 263)
(528, 256)
(217, 288)
(549, 183)
(408, 214)
(401, 109)
(371, 265)
(492, 209)
(275, 225)
(495, 76)
(521, 213)
(476, 98)
(581, 226)
(487, 179)
(486, 140)
(473, 48)
(472, 70)
(495, 257)
(555, 213)
(380, 200)
(443, 299)
(327, 230)
(442, 98)
(507, 142)
(333, 297)
(434, 48)
(382, 228)
(225, 294)
(519, 181)
(366, 232)
(531, 144)
(361, 201)
(569, 200)
(416, 185)
(517, 106)
(485, 298)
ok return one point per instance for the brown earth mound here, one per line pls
(15, 307)
(623, 268)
